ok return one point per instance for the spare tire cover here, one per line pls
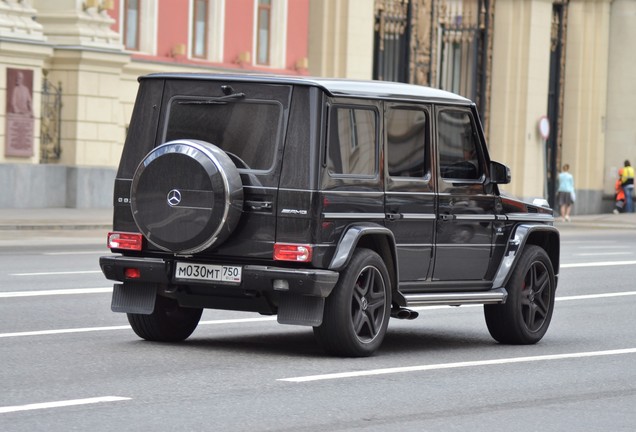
(186, 196)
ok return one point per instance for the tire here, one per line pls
(186, 196)
(357, 312)
(526, 315)
(169, 322)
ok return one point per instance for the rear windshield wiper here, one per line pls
(217, 100)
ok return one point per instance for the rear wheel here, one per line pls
(169, 322)
(526, 315)
(357, 312)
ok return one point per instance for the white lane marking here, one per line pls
(55, 292)
(63, 331)
(60, 404)
(127, 327)
(77, 252)
(596, 296)
(603, 253)
(56, 273)
(605, 247)
(421, 368)
(598, 264)
(600, 243)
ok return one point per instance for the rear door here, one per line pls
(249, 125)
(351, 187)
(410, 197)
(466, 212)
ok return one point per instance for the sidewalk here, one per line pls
(54, 227)
(56, 219)
(53, 219)
(624, 221)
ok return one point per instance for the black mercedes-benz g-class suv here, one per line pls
(331, 203)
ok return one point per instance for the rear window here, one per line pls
(247, 130)
(352, 147)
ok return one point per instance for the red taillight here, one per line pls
(128, 241)
(132, 273)
(292, 252)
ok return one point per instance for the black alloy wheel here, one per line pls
(526, 315)
(357, 311)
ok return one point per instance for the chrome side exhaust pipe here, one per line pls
(403, 313)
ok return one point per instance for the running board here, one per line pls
(457, 298)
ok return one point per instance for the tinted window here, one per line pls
(407, 138)
(247, 130)
(352, 141)
(457, 142)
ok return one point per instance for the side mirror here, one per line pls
(499, 173)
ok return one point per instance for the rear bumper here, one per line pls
(305, 281)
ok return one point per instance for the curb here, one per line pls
(593, 225)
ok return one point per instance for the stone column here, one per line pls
(520, 79)
(341, 38)
(87, 61)
(620, 135)
(585, 99)
(92, 118)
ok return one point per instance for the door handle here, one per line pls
(394, 216)
(259, 205)
(446, 216)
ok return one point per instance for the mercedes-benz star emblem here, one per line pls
(174, 198)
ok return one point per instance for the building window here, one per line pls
(200, 28)
(131, 24)
(270, 33)
(263, 31)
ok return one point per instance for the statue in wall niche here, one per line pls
(21, 97)
(19, 109)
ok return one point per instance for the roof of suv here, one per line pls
(333, 86)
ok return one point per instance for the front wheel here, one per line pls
(526, 315)
(357, 311)
(169, 322)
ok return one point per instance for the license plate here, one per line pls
(208, 272)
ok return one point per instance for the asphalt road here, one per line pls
(68, 363)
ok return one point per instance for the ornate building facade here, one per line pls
(520, 60)
(80, 60)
